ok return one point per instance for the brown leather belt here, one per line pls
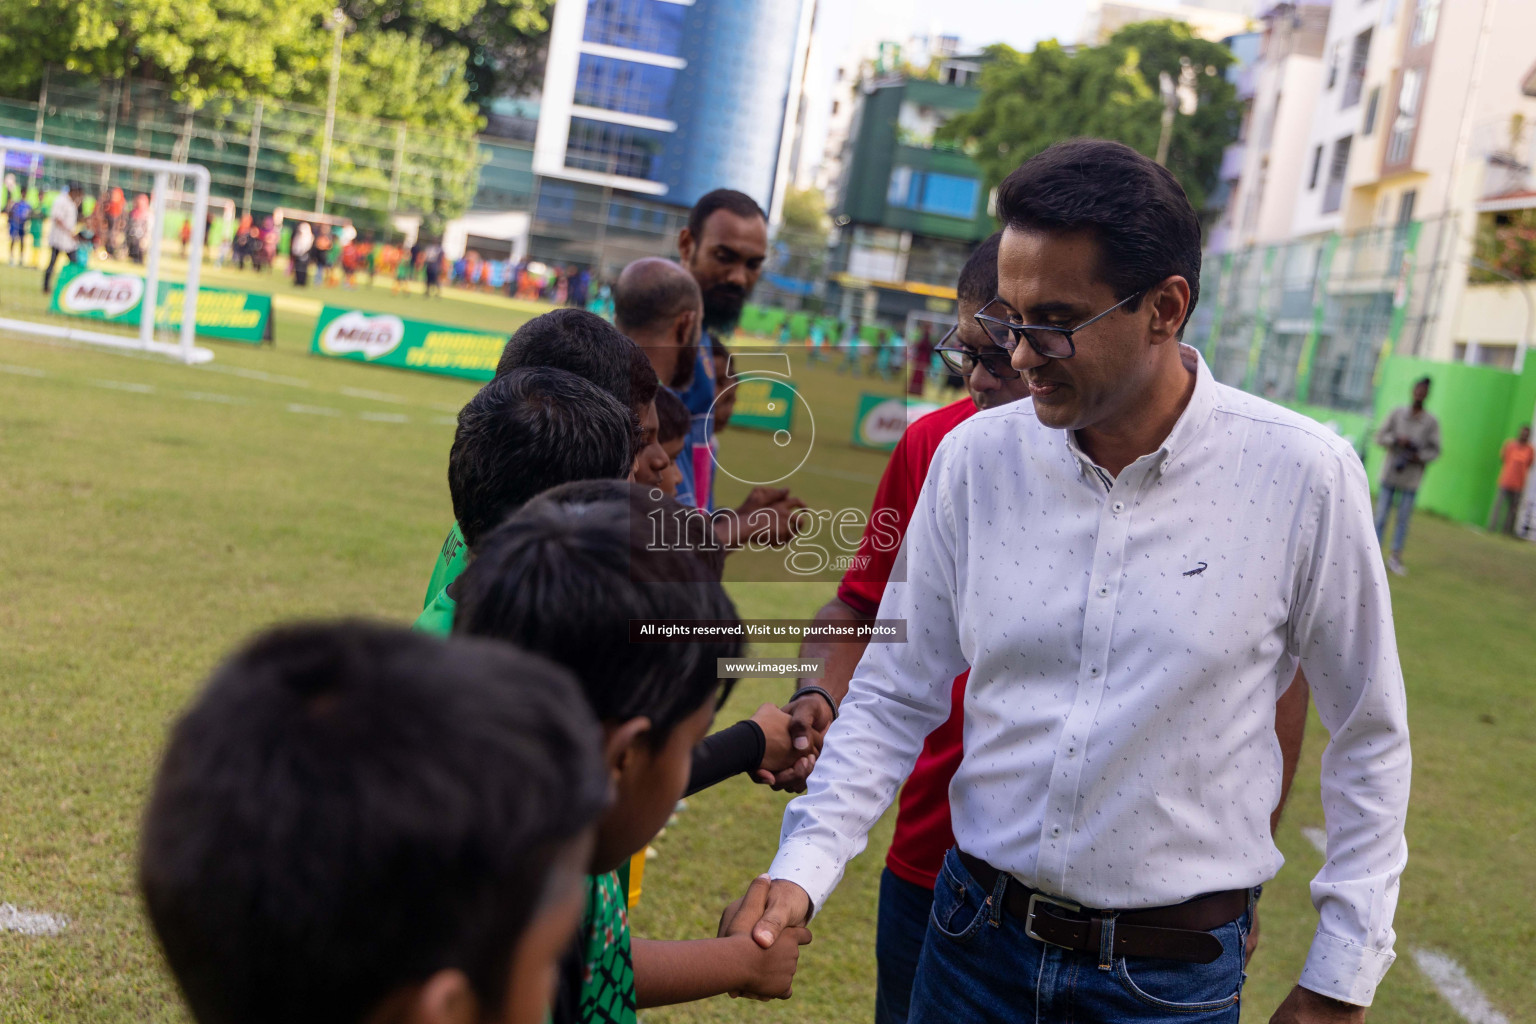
(1180, 932)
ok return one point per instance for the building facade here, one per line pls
(672, 98)
(909, 209)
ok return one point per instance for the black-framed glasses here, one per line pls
(1050, 342)
(965, 360)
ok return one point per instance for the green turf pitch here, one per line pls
(154, 515)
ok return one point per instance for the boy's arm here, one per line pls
(681, 972)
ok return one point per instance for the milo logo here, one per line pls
(357, 333)
(94, 293)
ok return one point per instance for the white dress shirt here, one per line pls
(1128, 637)
(62, 218)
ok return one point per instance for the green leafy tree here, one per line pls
(1032, 100)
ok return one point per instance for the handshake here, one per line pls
(772, 916)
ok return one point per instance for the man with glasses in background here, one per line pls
(1133, 564)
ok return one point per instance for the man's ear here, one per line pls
(1169, 300)
(444, 998)
(685, 329)
(686, 243)
(619, 742)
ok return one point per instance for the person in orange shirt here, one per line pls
(1517, 456)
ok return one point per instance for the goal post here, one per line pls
(45, 158)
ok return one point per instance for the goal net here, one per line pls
(101, 248)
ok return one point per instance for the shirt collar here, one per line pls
(1202, 403)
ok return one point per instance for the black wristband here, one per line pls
(820, 692)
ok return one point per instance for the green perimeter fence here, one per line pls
(262, 154)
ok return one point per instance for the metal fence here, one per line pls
(1310, 321)
(262, 154)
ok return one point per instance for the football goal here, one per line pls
(101, 248)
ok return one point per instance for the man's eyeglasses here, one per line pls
(964, 360)
(1050, 342)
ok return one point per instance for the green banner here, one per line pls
(763, 403)
(221, 312)
(881, 420)
(388, 340)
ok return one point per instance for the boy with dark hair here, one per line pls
(567, 577)
(580, 343)
(672, 426)
(523, 433)
(353, 822)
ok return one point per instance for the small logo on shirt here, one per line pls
(1197, 570)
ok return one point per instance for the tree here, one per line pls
(1032, 100)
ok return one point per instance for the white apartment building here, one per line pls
(1282, 89)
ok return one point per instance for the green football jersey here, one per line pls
(451, 561)
(437, 617)
(608, 982)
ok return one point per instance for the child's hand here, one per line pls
(779, 753)
(771, 972)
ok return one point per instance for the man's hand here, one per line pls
(1251, 943)
(768, 908)
(773, 967)
(1303, 1006)
(809, 718)
(780, 755)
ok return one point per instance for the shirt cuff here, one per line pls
(1344, 970)
(809, 867)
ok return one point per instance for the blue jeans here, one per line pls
(979, 966)
(1384, 509)
(902, 923)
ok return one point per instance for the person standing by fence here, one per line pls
(1517, 456)
(1411, 435)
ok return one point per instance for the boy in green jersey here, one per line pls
(524, 432)
(588, 346)
(355, 824)
(569, 577)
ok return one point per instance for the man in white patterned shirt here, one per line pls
(1133, 562)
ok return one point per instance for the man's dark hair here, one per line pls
(569, 575)
(672, 417)
(739, 203)
(348, 808)
(528, 431)
(578, 342)
(651, 290)
(1138, 212)
(978, 278)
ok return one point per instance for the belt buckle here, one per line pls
(1029, 915)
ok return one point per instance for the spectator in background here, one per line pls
(432, 260)
(299, 250)
(140, 222)
(922, 355)
(1517, 456)
(63, 220)
(1411, 435)
(17, 212)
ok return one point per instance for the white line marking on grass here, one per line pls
(447, 421)
(262, 375)
(212, 396)
(313, 410)
(377, 396)
(125, 385)
(22, 371)
(30, 922)
(1456, 988)
(384, 417)
(1318, 838)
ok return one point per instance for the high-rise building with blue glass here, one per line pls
(672, 98)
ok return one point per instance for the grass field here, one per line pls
(156, 514)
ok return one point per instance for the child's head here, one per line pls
(354, 819)
(569, 577)
(588, 346)
(525, 432)
(672, 426)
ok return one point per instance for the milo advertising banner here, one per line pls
(881, 420)
(221, 312)
(389, 340)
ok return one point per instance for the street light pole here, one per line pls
(1170, 104)
(337, 22)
